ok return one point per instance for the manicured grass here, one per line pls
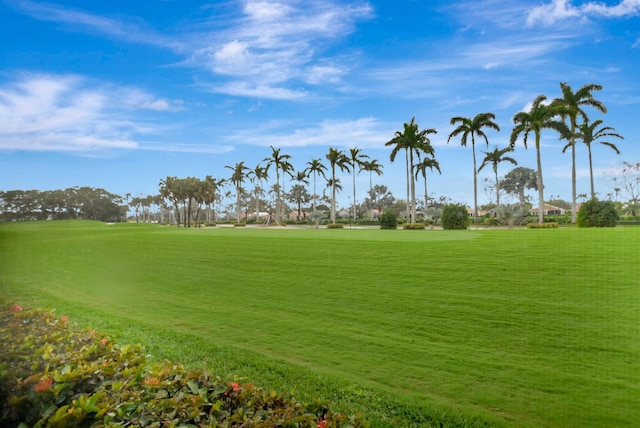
(516, 327)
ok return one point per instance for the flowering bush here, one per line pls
(56, 375)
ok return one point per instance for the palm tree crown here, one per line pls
(473, 128)
(356, 159)
(317, 168)
(281, 163)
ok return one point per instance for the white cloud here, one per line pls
(69, 113)
(559, 10)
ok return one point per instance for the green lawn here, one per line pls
(515, 327)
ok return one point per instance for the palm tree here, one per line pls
(421, 168)
(339, 159)
(571, 107)
(237, 178)
(413, 141)
(357, 158)
(473, 127)
(256, 176)
(372, 166)
(539, 117)
(588, 134)
(316, 167)
(281, 162)
(494, 158)
(301, 178)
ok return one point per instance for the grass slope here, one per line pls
(517, 327)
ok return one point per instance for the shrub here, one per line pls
(542, 226)
(53, 374)
(455, 217)
(239, 224)
(335, 226)
(389, 220)
(595, 213)
(413, 226)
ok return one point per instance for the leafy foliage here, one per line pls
(53, 374)
(455, 217)
(595, 213)
(389, 220)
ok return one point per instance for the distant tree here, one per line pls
(316, 167)
(472, 127)
(339, 159)
(372, 166)
(421, 168)
(240, 172)
(517, 181)
(494, 158)
(541, 116)
(256, 176)
(628, 183)
(299, 195)
(281, 163)
(454, 217)
(357, 160)
(413, 141)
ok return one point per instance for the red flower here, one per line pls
(236, 386)
(322, 423)
(43, 385)
(104, 341)
(15, 308)
(152, 381)
(64, 318)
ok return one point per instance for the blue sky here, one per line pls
(121, 94)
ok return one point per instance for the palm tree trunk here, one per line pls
(314, 192)
(573, 178)
(333, 194)
(413, 190)
(354, 193)
(475, 181)
(593, 192)
(497, 188)
(408, 190)
(540, 185)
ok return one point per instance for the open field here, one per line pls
(515, 327)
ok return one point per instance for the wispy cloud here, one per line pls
(259, 50)
(69, 113)
(559, 10)
(364, 132)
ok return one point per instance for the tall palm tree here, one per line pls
(281, 163)
(589, 134)
(356, 158)
(473, 127)
(414, 141)
(372, 166)
(541, 116)
(336, 158)
(571, 105)
(237, 178)
(494, 158)
(421, 168)
(256, 176)
(317, 168)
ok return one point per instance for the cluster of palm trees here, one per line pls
(565, 115)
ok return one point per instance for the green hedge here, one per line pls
(413, 226)
(335, 226)
(542, 226)
(53, 374)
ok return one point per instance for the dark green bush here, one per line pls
(413, 226)
(53, 374)
(389, 220)
(455, 217)
(595, 213)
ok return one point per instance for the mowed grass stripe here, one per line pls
(534, 327)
